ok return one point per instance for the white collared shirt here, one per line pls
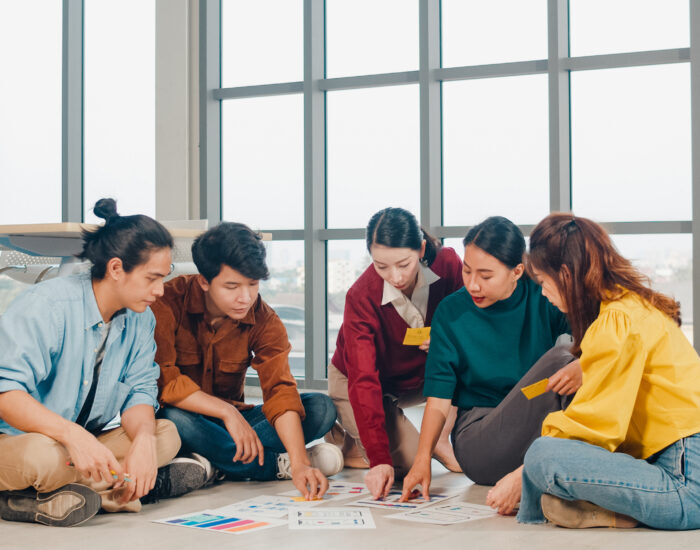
(412, 310)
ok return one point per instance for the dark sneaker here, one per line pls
(214, 475)
(181, 475)
(67, 506)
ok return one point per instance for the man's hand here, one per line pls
(567, 380)
(248, 444)
(90, 457)
(425, 346)
(379, 480)
(141, 467)
(309, 481)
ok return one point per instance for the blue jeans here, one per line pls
(208, 436)
(662, 491)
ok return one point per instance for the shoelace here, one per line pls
(284, 466)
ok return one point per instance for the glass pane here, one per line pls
(120, 105)
(627, 25)
(262, 158)
(262, 42)
(495, 149)
(347, 260)
(30, 111)
(668, 261)
(630, 143)
(475, 32)
(284, 292)
(371, 37)
(456, 245)
(373, 158)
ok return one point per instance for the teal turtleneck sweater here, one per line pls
(478, 354)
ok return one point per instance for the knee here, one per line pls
(320, 410)
(44, 462)
(539, 460)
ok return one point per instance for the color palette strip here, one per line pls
(207, 520)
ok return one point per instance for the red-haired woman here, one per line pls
(627, 448)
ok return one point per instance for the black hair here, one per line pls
(233, 244)
(398, 228)
(499, 237)
(129, 238)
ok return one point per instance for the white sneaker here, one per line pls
(325, 456)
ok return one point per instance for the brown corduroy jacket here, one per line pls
(194, 357)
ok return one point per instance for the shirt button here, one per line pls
(95, 350)
(85, 382)
(99, 324)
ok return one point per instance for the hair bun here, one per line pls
(106, 209)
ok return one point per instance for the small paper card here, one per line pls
(533, 390)
(447, 514)
(391, 501)
(416, 336)
(337, 490)
(268, 506)
(231, 524)
(330, 518)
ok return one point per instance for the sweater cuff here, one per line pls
(441, 390)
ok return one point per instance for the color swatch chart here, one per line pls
(219, 523)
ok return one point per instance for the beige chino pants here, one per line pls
(36, 460)
(403, 435)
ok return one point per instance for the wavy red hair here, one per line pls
(587, 268)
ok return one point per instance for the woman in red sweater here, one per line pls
(373, 375)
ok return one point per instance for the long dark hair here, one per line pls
(579, 255)
(398, 228)
(129, 238)
(499, 237)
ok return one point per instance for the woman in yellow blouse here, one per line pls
(627, 448)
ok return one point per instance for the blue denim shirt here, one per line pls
(48, 344)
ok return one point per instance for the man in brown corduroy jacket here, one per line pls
(210, 328)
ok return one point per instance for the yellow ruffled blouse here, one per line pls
(641, 382)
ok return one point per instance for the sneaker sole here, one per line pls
(91, 503)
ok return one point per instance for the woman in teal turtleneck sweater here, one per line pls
(489, 340)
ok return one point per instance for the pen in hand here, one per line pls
(114, 474)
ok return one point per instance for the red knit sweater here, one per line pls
(370, 350)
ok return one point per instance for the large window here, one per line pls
(30, 111)
(455, 117)
(119, 148)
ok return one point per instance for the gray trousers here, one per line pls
(490, 442)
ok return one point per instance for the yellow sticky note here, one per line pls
(533, 390)
(416, 336)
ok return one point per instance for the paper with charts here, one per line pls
(337, 490)
(330, 518)
(391, 501)
(268, 506)
(230, 524)
(447, 514)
